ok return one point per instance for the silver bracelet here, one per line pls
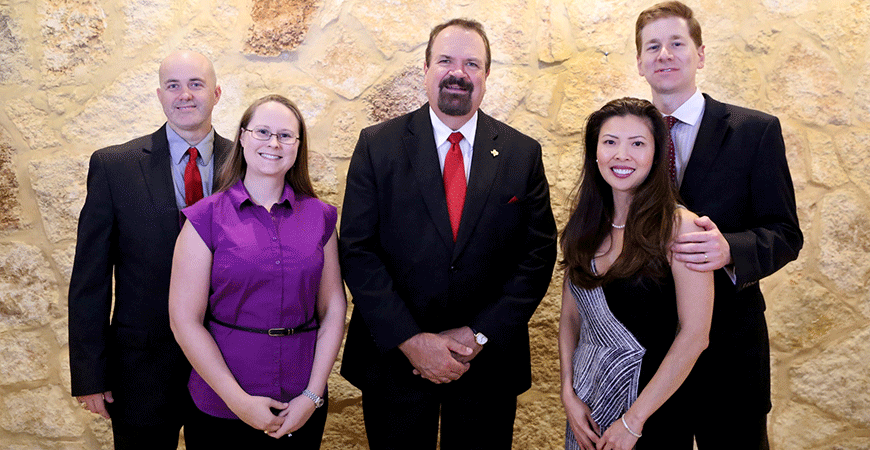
(629, 429)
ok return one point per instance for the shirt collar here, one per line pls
(442, 132)
(178, 146)
(691, 110)
(239, 196)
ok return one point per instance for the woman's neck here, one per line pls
(264, 191)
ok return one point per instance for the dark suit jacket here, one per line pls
(738, 176)
(128, 226)
(407, 275)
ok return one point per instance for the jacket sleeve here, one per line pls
(388, 319)
(90, 288)
(774, 238)
(526, 287)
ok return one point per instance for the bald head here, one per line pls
(188, 92)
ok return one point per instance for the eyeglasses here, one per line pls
(262, 134)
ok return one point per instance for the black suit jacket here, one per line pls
(739, 177)
(128, 227)
(407, 275)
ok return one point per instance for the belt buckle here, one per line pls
(280, 332)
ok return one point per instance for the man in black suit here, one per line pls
(130, 368)
(448, 244)
(731, 169)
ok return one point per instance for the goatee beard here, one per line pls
(455, 104)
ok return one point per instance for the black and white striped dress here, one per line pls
(607, 361)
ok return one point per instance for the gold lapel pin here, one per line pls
(494, 153)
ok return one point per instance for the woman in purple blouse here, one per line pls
(257, 263)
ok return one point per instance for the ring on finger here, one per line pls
(706, 259)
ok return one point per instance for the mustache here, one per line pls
(462, 83)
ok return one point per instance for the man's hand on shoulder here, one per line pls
(464, 336)
(431, 356)
(702, 251)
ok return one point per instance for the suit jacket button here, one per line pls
(454, 269)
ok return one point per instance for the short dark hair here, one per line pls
(233, 169)
(468, 24)
(650, 216)
(663, 10)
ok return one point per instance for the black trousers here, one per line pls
(207, 432)
(468, 422)
(730, 431)
(132, 437)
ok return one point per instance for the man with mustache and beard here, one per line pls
(130, 368)
(447, 245)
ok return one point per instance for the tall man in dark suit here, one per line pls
(129, 368)
(447, 244)
(731, 169)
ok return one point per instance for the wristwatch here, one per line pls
(318, 402)
(480, 338)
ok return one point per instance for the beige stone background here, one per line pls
(77, 75)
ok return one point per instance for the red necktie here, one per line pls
(672, 154)
(192, 179)
(454, 182)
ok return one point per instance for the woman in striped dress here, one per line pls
(633, 320)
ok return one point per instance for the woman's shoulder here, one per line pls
(684, 220)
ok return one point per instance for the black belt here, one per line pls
(304, 328)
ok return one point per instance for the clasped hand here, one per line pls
(257, 412)
(432, 356)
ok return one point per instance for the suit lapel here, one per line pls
(157, 172)
(419, 143)
(484, 166)
(711, 135)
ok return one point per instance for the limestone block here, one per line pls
(802, 314)
(540, 422)
(839, 27)
(46, 412)
(148, 21)
(837, 380)
(72, 33)
(23, 357)
(12, 59)
(28, 288)
(856, 156)
(10, 202)
(344, 133)
(789, 8)
(854, 443)
(506, 87)
(49, 445)
(401, 94)
(322, 173)
(807, 85)
(329, 12)
(530, 125)
(60, 328)
(596, 24)
(730, 70)
(541, 94)
(279, 26)
(102, 430)
(63, 259)
(796, 147)
(790, 431)
(825, 167)
(861, 105)
(589, 83)
(507, 25)
(64, 369)
(397, 25)
(544, 344)
(59, 183)
(358, 68)
(844, 254)
(554, 42)
(30, 117)
(344, 427)
(126, 108)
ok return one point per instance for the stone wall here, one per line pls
(77, 75)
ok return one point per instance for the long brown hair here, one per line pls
(650, 223)
(233, 169)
